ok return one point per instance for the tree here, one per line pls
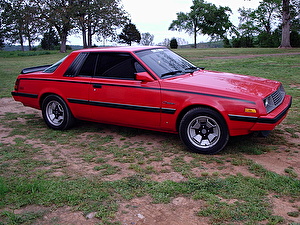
(261, 23)
(286, 22)
(99, 17)
(204, 18)
(173, 43)
(130, 34)
(20, 21)
(266, 15)
(147, 39)
(1, 36)
(60, 15)
(165, 42)
(32, 24)
(50, 40)
(286, 25)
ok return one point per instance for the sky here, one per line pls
(155, 16)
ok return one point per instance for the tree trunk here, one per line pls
(90, 36)
(21, 42)
(83, 31)
(63, 43)
(195, 37)
(286, 25)
(84, 37)
(29, 42)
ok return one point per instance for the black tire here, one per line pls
(204, 131)
(56, 113)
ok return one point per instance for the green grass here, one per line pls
(11, 64)
(35, 170)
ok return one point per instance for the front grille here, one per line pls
(275, 99)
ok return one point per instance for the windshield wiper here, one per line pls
(193, 69)
(171, 73)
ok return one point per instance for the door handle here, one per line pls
(97, 86)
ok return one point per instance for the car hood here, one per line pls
(231, 84)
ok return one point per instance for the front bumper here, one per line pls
(270, 121)
(242, 125)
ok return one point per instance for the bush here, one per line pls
(295, 39)
(266, 40)
(173, 43)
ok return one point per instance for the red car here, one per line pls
(152, 88)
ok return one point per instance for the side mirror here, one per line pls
(144, 76)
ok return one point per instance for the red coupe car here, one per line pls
(152, 88)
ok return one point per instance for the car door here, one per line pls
(117, 98)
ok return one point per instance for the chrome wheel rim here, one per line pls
(55, 113)
(203, 132)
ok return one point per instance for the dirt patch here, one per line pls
(286, 208)
(69, 160)
(279, 161)
(180, 211)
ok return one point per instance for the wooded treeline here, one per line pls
(274, 23)
(28, 20)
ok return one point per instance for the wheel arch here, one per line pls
(45, 94)
(190, 107)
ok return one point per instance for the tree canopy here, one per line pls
(204, 18)
(28, 20)
(130, 34)
(270, 24)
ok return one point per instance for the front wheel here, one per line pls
(203, 131)
(56, 113)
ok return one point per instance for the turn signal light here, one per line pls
(248, 110)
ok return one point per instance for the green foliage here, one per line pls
(50, 40)
(272, 40)
(173, 43)
(147, 39)
(267, 23)
(295, 39)
(130, 34)
(20, 22)
(204, 18)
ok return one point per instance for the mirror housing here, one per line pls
(144, 76)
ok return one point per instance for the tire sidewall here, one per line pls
(196, 112)
(68, 117)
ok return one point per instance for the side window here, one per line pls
(117, 65)
(76, 64)
(88, 67)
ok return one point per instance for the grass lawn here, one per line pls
(102, 169)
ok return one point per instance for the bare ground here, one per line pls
(139, 211)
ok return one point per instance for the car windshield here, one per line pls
(166, 63)
(52, 68)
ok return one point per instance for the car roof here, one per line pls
(119, 49)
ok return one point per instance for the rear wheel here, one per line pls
(56, 113)
(204, 131)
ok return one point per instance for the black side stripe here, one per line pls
(210, 95)
(149, 88)
(123, 106)
(243, 118)
(24, 95)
